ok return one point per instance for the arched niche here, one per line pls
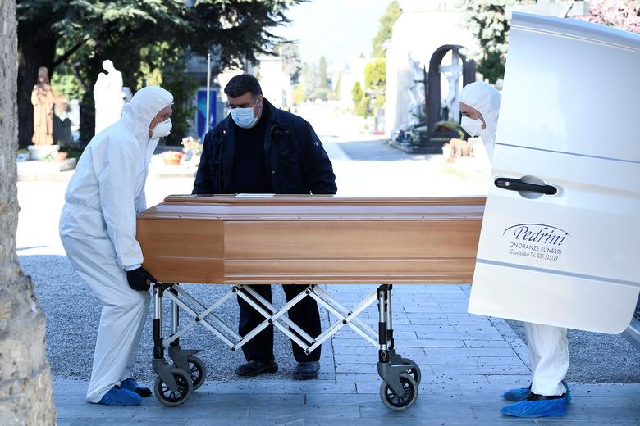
(433, 87)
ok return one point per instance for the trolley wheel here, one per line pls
(400, 402)
(413, 371)
(173, 398)
(197, 370)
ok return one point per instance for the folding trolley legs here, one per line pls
(175, 382)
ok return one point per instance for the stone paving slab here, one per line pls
(275, 403)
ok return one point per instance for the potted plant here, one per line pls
(192, 147)
(448, 128)
(172, 158)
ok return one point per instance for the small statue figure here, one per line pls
(42, 99)
(107, 94)
(452, 73)
(416, 93)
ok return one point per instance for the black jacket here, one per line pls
(295, 157)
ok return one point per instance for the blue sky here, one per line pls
(338, 29)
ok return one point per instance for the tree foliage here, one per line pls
(337, 88)
(314, 82)
(375, 74)
(492, 66)
(623, 14)
(135, 34)
(357, 94)
(322, 73)
(362, 109)
(385, 30)
(375, 83)
(309, 80)
(290, 54)
(491, 28)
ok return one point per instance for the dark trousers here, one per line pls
(305, 314)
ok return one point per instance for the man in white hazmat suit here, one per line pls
(548, 393)
(98, 230)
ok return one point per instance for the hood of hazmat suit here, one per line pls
(107, 188)
(486, 99)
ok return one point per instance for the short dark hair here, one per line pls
(241, 84)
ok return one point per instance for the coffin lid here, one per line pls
(312, 207)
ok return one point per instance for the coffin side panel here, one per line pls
(183, 250)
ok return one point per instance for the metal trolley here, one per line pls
(176, 380)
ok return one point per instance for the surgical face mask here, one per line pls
(162, 129)
(471, 126)
(244, 117)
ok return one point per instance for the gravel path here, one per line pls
(597, 358)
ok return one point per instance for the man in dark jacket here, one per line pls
(259, 148)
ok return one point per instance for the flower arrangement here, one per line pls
(172, 158)
(192, 145)
(623, 14)
(450, 125)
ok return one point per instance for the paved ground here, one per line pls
(466, 360)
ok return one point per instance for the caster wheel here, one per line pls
(413, 371)
(197, 370)
(400, 402)
(173, 398)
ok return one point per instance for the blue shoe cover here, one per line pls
(134, 386)
(544, 408)
(517, 394)
(129, 384)
(521, 394)
(121, 397)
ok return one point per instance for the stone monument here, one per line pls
(42, 98)
(107, 95)
(452, 72)
(416, 93)
(431, 134)
(127, 94)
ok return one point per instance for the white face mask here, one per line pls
(162, 129)
(471, 126)
(244, 117)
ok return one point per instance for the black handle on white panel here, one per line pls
(520, 185)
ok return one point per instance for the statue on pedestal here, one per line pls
(453, 73)
(107, 94)
(42, 99)
(416, 93)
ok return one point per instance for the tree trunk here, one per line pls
(87, 117)
(93, 67)
(25, 380)
(35, 49)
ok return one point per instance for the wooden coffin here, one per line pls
(311, 239)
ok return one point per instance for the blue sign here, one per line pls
(201, 111)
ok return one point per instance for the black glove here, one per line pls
(139, 279)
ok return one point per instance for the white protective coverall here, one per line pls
(548, 345)
(98, 230)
